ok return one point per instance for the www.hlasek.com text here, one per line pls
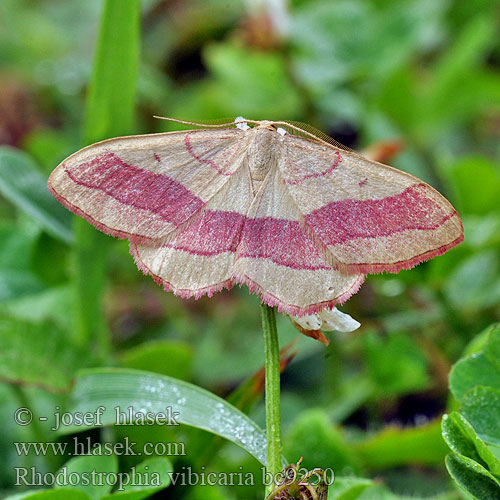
(86, 447)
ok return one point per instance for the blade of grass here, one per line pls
(111, 95)
(109, 112)
(117, 390)
(26, 188)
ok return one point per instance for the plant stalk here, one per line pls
(109, 112)
(273, 404)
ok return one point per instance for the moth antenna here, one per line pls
(207, 125)
(314, 133)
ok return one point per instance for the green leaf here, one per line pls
(393, 446)
(154, 474)
(459, 436)
(17, 246)
(50, 260)
(241, 72)
(472, 371)
(462, 439)
(469, 287)
(16, 284)
(26, 347)
(83, 467)
(149, 392)
(24, 186)
(353, 394)
(320, 443)
(492, 347)
(476, 184)
(50, 304)
(482, 231)
(224, 349)
(166, 357)
(398, 97)
(348, 488)
(382, 492)
(59, 494)
(49, 146)
(244, 397)
(325, 52)
(472, 477)
(207, 492)
(396, 364)
(478, 343)
(481, 407)
(238, 72)
(457, 87)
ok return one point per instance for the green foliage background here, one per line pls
(425, 72)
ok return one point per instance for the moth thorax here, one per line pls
(262, 153)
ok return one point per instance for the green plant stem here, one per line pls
(91, 253)
(273, 404)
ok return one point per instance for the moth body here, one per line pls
(263, 154)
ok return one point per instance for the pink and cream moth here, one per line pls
(296, 219)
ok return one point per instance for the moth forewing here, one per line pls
(366, 216)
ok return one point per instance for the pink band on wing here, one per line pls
(211, 233)
(334, 165)
(281, 241)
(345, 220)
(210, 163)
(138, 188)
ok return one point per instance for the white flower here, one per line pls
(310, 322)
(334, 320)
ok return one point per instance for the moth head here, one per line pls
(266, 124)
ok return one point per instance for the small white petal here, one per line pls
(242, 125)
(281, 131)
(311, 322)
(334, 320)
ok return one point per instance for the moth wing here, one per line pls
(280, 262)
(145, 187)
(198, 258)
(367, 216)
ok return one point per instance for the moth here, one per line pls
(297, 219)
(311, 485)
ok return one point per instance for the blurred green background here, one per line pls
(423, 73)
